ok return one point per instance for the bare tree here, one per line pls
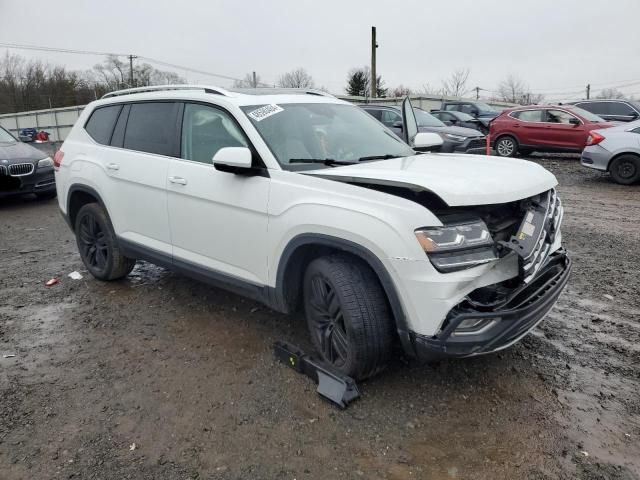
(248, 81)
(456, 84)
(611, 93)
(514, 90)
(115, 74)
(428, 89)
(400, 91)
(298, 78)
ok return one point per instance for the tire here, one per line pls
(625, 169)
(98, 245)
(506, 146)
(348, 317)
(46, 195)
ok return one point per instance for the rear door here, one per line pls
(218, 219)
(143, 140)
(561, 133)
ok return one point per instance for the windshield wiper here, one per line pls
(378, 157)
(325, 161)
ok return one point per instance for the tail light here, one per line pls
(57, 159)
(594, 138)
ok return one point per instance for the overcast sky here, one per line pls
(556, 46)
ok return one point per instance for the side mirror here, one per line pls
(230, 159)
(574, 121)
(397, 124)
(426, 140)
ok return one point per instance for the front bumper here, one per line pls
(596, 157)
(506, 324)
(42, 180)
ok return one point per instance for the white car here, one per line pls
(306, 202)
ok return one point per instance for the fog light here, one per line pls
(475, 326)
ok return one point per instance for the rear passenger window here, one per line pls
(101, 122)
(619, 108)
(205, 130)
(151, 128)
(377, 114)
(528, 115)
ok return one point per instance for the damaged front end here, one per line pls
(495, 316)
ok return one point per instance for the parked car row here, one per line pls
(454, 138)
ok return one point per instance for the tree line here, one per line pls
(34, 85)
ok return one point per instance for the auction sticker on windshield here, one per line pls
(265, 112)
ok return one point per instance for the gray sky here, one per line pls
(556, 46)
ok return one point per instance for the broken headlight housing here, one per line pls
(457, 246)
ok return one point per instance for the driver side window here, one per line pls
(205, 130)
(558, 116)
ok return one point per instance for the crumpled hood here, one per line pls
(19, 152)
(457, 179)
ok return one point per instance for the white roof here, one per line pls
(240, 97)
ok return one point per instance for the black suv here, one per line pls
(483, 112)
(612, 110)
(24, 169)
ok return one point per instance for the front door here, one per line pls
(565, 130)
(218, 219)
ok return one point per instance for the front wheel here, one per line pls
(625, 169)
(348, 315)
(98, 245)
(506, 146)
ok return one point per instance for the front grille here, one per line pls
(477, 143)
(552, 220)
(3, 170)
(21, 169)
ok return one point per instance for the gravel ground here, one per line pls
(158, 376)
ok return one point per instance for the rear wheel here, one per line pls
(98, 245)
(625, 169)
(506, 146)
(347, 315)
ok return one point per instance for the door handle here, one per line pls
(178, 180)
(113, 166)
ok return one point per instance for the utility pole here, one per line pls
(255, 81)
(477, 89)
(588, 91)
(374, 77)
(131, 57)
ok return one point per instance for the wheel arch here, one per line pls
(78, 196)
(304, 248)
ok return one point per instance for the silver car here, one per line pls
(615, 150)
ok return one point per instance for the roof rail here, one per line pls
(280, 91)
(160, 88)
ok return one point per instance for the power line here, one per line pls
(148, 59)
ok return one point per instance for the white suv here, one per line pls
(303, 201)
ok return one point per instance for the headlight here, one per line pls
(45, 162)
(457, 247)
(455, 138)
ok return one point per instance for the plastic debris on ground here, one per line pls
(75, 276)
(51, 282)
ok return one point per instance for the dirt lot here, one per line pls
(158, 376)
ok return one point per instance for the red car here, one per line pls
(548, 128)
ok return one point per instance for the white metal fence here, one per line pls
(58, 121)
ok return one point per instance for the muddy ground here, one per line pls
(158, 376)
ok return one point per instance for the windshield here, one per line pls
(591, 117)
(6, 137)
(322, 131)
(426, 119)
(463, 117)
